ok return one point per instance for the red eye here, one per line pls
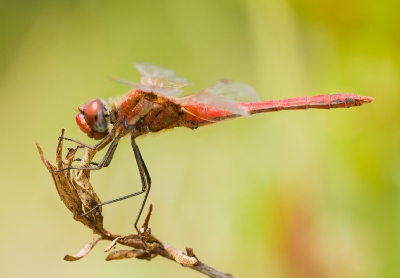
(94, 112)
(91, 112)
(93, 118)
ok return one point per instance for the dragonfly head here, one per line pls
(94, 118)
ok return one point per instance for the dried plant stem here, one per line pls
(77, 194)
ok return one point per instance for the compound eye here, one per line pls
(96, 115)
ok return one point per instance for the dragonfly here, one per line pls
(155, 104)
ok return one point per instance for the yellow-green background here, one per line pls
(289, 194)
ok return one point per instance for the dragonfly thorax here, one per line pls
(93, 119)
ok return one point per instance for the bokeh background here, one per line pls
(290, 194)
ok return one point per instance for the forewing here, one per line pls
(146, 88)
(156, 79)
(156, 76)
(142, 87)
(148, 69)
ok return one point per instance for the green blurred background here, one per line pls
(289, 194)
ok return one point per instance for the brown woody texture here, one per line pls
(77, 194)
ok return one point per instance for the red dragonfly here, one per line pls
(154, 105)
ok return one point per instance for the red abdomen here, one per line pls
(199, 114)
(315, 102)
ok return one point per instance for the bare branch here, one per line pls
(178, 256)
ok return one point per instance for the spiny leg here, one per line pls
(99, 146)
(91, 162)
(144, 176)
(111, 137)
(105, 161)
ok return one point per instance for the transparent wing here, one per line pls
(155, 76)
(145, 88)
(225, 95)
(156, 79)
(148, 69)
(233, 90)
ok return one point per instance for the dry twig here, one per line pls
(77, 194)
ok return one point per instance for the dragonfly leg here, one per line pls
(144, 176)
(99, 146)
(106, 160)
(91, 162)
(146, 183)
